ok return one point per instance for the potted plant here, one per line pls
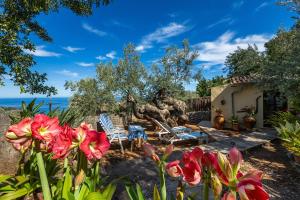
(249, 118)
(235, 123)
(219, 119)
(289, 133)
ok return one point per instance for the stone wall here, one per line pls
(9, 157)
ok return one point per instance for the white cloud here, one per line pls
(238, 4)
(84, 64)
(161, 35)
(101, 57)
(93, 30)
(73, 49)
(111, 55)
(215, 52)
(262, 5)
(67, 73)
(41, 52)
(228, 20)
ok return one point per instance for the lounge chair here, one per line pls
(114, 134)
(179, 133)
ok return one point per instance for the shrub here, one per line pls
(281, 117)
(290, 134)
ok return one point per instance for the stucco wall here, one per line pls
(243, 95)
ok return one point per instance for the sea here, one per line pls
(57, 102)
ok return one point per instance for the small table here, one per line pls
(136, 132)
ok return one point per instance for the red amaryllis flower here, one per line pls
(229, 196)
(150, 152)
(95, 145)
(45, 128)
(81, 132)
(191, 173)
(250, 187)
(194, 155)
(235, 159)
(20, 134)
(62, 143)
(173, 169)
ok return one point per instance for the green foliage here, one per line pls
(86, 186)
(277, 68)
(90, 96)
(204, 86)
(127, 77)
(17, 23)
(26, 111)
(293, 5)
(243, 62)
(281, 71)
(281, 117)
(69, 116)
(290, 134)
(173, 70)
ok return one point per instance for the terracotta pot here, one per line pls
(235, 126)
(249, 122)
(219, 121)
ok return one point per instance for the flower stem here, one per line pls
(205, 191)
(163, 189)
(43, 176)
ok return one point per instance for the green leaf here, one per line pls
(14, 195)
(84, 190)
(95, 196)
(7, 188)
(156, 195)
(67, 184)
(4, 177)
(139, 192)
(109, 191)
(131, 192)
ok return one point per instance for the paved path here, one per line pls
(243, 142)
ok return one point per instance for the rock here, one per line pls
(9, 157)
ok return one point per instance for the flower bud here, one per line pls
(173, 169)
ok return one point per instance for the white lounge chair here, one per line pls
(179, 133)
(114, 134)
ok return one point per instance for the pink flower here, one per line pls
(235, 158)
(150, 152)
(191, 173)
(62, 143)
(194, 155)
(229, 196)
(95, 145)
(45, 128)
(173, 169)
(169, 150)
(20, 134)
(250, 187)
(81, 132)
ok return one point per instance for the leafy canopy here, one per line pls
(17, 23)
(129, 77)
(173, 70)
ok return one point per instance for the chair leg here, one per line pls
(132, 143)
(121, 145)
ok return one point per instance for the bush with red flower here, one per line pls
(48, 138)
(215, 171)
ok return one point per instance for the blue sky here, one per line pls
(214, 27)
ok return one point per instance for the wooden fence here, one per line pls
(199, 104)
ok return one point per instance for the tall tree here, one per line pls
(126, 78)
(282, 68)
(204, 86)
(243, 62)
(173, 70)
(17, 23)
